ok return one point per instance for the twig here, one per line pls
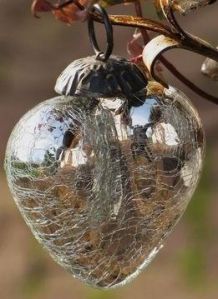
(187, 82)
(171, 67)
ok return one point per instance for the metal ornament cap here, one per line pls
(91, 77)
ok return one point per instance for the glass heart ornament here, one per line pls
(102, 173)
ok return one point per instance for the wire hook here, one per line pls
(100, 55)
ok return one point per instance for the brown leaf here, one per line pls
(68, 13)
(71, 11)
(134, 47)
(181, 6)
(185, 6)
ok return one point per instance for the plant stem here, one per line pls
(137, 22)
(171, 67)
(187, 82)
(192, 43)
(138, 10)
(186, 41)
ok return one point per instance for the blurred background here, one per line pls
(32, 54)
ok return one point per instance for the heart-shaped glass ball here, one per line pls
(102, 183)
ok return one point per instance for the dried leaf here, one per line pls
(181, 6)
(41, 6)
(69, 11)
(134, 46)
(185, 6)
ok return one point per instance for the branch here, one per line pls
(137, 22)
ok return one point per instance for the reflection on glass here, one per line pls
(102, 185)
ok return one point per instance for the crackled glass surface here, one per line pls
(102, 185)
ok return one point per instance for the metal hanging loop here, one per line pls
(100, 55)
